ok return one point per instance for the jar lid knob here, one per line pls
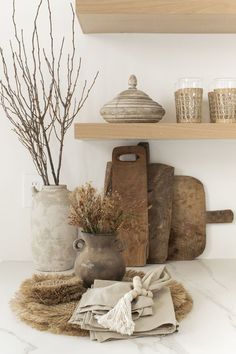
(132, 82)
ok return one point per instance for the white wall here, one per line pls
(157, 60)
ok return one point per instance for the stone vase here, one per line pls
(52, 236)
(99, 257)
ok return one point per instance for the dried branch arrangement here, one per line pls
(38, 92)
(96, 213)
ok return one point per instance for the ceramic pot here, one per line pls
(132, 106)
(52, 237)
(99, 257)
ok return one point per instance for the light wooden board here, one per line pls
(188, 226)
(140, 16)
(159, 131)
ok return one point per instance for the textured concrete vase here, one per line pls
(52, 237)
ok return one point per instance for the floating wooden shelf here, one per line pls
(158, 131)
(147, 16)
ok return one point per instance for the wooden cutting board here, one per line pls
(189, 217)
(108, 178)
(129, 179)
(160, 195)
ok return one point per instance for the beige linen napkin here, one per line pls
(162, 321)
(151, 316)
(105, 295)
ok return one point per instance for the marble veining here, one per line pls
(211, 274)
(161, 344)
(209, 329)
(214, 290)
(15, 340)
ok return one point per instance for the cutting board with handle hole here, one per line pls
(189, 218)
(160, 195)
(129, 179)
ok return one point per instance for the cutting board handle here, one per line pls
(219, 216)
(147, 149)
(139, 151)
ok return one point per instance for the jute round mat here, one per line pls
(46, 302)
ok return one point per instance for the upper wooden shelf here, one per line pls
(149, 16)
(159, 131)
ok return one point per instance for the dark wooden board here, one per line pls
(108, 178)
(160, 195)
(129, 179)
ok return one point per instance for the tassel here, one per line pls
(119, 319)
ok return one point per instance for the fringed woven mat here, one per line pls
(46, 302)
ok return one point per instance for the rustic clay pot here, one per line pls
(99, 257)
(51, 236)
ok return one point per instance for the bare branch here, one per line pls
(38, 93)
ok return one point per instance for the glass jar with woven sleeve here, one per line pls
(188, 100)
(222, 101)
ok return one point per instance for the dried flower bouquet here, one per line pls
(97, 213)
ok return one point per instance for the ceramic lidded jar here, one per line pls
(132, 106)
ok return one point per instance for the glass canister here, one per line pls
(188, 100)
(222, 100)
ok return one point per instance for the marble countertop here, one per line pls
(209, 329)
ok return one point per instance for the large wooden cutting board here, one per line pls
(189, 218)
(129, 179)
(160, 194)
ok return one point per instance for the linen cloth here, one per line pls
(152, 316)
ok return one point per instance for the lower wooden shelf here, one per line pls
(158, 131)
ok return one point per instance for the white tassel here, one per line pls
(119, 319)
